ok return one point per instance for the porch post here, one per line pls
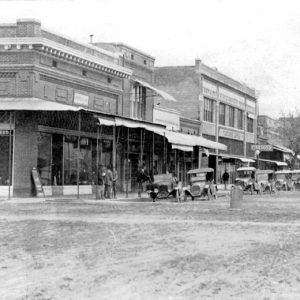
(78, 151)
(97, 162)
(114, 147)
(127, 163)
(9, 155)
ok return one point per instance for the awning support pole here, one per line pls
(153, 140)
(127, 163)
(141, 147)
(78, 151)
(97, 162)
(184, 169)
(9, 155)
(165, 166)
(114, 147)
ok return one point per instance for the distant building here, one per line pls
(226, 109)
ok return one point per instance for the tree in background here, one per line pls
(290, 131)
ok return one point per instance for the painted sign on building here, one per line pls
(81, 99)
(167, 117)
(230, 134)
(262, 148)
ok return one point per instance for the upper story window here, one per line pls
(240, 119)
(249, 124)
(145, 62)
(132, 56)
(208, 110)
(138, 103)
(108, 79)
(222, 114)
(54, 63)
(231, 116)
(83, 72)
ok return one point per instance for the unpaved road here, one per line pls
(119, 250)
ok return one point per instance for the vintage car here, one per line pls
(164, 186)
(201, 184)
(284, 180)
(246, 179)
(266, 180)
(296, 178)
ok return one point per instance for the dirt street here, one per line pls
(163, 250)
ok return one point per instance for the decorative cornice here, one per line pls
(66, 53)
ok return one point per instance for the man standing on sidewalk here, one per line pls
(114, 182)
(225, 178)
(108, 182)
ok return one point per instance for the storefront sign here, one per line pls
(231, 134)
(81, 99)
(166, 117)
(4, 132)
(262, 148)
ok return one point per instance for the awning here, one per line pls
(159, 129)
(107, 121)
(242, 159)
(183, 148)
(35, 104)
(184, 139)
(283, 149)
(278, 163)
(161, 93)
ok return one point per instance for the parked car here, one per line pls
(284, 180)
(266, 180)
(201, 184)
(246, 179)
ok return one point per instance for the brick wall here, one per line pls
(25, 152)
(183, 84)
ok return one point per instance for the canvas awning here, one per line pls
(183, 147)
(278, 163)
(159, 92)
(179, 138)
(242, 159)
(35, 104)
(283, 149)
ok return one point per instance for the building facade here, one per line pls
(67, 109)
(226, 109)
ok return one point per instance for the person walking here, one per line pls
(225, 178)
(141, 178)
(108, 182)
(114, 182)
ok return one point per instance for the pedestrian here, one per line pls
(108, 183)
(101, 176)
(114, 182)
(141, 179)
(225, 178)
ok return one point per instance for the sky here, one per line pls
(253, 41)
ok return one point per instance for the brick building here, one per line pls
(68, 108)
(227, 110)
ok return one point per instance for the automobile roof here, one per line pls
(201, 170)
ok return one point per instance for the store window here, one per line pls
(208, 110)
(222, 114)
(240, 119)
(44, 158)
(231, 116)
(249, 124)
(4, 157)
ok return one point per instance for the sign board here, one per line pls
(81, 99)
(230, 134)
(37, 182)
(262, 148)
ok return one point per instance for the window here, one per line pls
(231, 116)
(249, 124)
(145, 62)
(4, 158)
(83, 72)
(240, 119)
(222, 114)
(54, 63)
(138, 103)
(132, 56)
(208, 110)
(108, 79)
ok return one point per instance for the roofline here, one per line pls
(129, 47)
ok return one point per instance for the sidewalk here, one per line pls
(131, 197)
